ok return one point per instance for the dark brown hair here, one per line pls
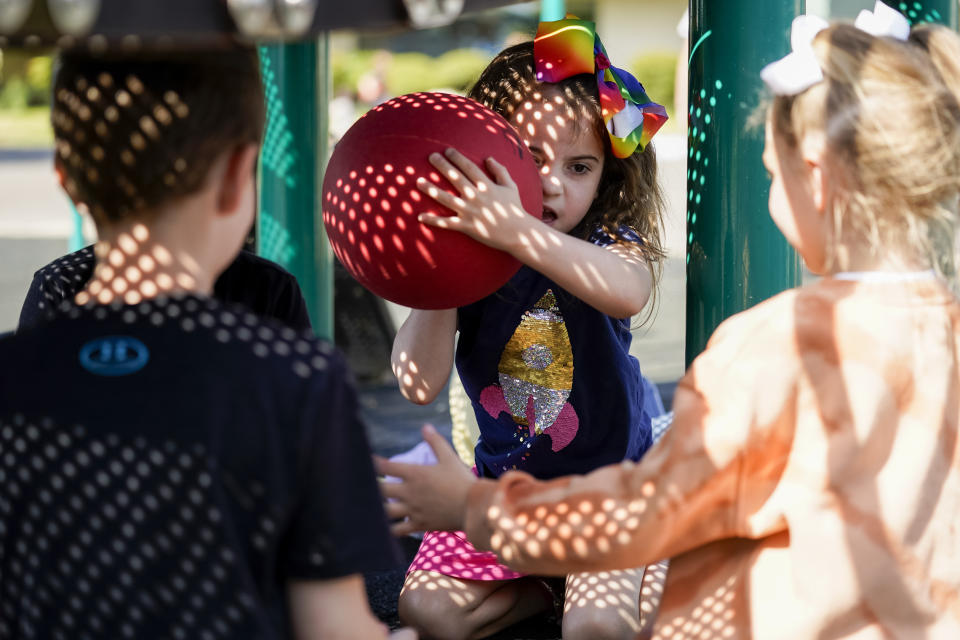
(133, 133)
(628, 193)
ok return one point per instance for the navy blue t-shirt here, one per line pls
(551, 379)
(166, 468)
(262, 286)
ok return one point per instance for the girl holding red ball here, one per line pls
(545, 360)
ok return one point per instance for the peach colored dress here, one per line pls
(809, 488)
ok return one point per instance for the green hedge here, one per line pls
(24, 79)
(407, 72)
(657, 73)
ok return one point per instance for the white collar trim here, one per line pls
(886, 276)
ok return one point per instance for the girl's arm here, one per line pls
(422, 356)
(615, 280)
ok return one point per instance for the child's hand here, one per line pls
(429, 497)
(489, 211)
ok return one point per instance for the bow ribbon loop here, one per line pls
(800, 69)
(569, 47)
(883, 21)
(601, 61)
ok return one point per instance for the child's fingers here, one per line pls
(386, 467)
(392, 490)
(396, 510)
(466, 165)
(445, 198)
(500, 173)
(441, 222)
(403, 528)
(439, 444)
(453, 175)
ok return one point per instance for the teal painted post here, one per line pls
(736, 257)
(920, 11)
(551, 10)
(76, 241)
(295, 151)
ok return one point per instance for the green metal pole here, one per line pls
(76, 241)
(551, 10)
(295, 152)
(735, 255)
(919, 11)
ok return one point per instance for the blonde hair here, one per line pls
(889, 112)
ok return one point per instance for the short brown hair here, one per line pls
(135, 132)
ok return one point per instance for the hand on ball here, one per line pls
(488, 210)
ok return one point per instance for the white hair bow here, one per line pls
(883, 21)
(799, 70)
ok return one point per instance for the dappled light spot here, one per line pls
(131, 269)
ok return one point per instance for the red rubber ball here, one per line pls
(371, 200)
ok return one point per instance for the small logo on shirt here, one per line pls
(114, 356)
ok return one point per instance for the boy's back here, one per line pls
(173, 467)
(166, 468)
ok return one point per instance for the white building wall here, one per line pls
(629, 28)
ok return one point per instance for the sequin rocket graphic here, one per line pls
(536, 375)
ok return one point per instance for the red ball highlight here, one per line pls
(371, 201)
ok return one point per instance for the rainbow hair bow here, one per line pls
(569, 47)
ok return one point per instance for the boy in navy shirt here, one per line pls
(172, 466)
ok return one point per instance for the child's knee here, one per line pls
(592, 623)
(433, 613)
